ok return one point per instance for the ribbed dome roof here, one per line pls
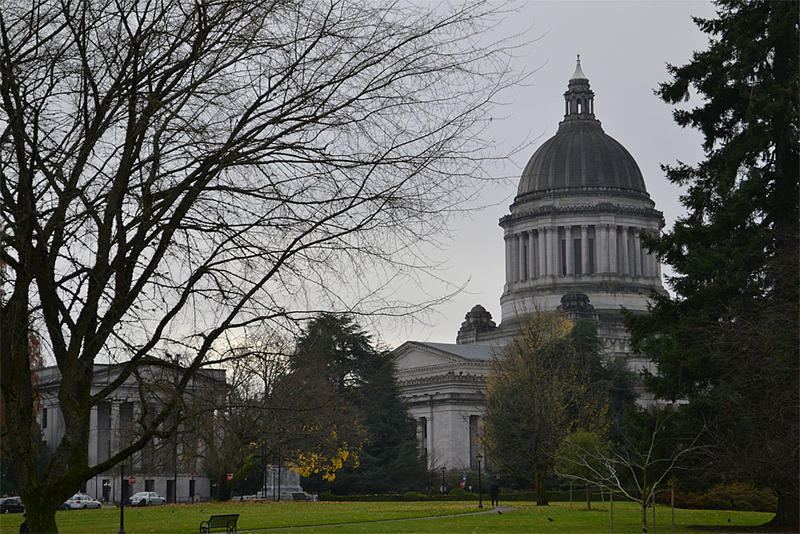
(581, 155)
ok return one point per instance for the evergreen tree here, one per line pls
(345, 354)
(610, 376)
(390, 460)
(728, 340)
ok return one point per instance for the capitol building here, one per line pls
(572, 242)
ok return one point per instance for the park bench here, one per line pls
(222, 521)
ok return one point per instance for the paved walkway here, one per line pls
(499, 509)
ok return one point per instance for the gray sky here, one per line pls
(624, 48)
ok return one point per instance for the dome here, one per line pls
(580, 155)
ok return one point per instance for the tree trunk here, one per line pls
(588, 498)
(644, 515)
(40, 514)
(541, 494)
(788, 513)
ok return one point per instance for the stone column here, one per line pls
(554, 252)
(522, 238)
(430, 450)
(514, 258)
(637, 254)
(585, 249)
(570, 249)
(507, 239)
(658, 268)
(542, 256)
(93, 435)
(613, 266)
(531, 255)
(653, 264)
(114, 428)
(626, 265)
(601, 248)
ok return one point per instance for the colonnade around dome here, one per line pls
(583, 250)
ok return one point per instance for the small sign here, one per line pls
(132, 480)
(230, 476)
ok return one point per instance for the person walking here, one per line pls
(494, 492)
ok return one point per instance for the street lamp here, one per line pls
(443, 489)
(122, 497)
(479, 457)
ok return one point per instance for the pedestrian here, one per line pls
(494, 491)
(23, 528)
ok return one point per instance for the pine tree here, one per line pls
(340, 350)
(728, 340)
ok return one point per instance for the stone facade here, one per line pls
(443, 385)
(174, 471)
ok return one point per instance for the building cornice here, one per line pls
(582, 209)
(561, 193)
(440, 379)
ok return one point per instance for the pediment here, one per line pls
(414, 355)
(419, 358)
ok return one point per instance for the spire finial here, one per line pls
(578, 74)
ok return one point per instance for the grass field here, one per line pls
(371, 518)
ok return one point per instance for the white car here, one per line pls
(146, 498)
(80, 501)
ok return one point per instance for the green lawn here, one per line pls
(361, 517)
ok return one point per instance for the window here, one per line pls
(149, 485)
(44, 418)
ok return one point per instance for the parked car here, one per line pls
(81, 501)
(11, 505)
(146, 498)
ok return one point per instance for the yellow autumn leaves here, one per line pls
(328, 458)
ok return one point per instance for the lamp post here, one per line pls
(443, 489)
(122, 497)
(479, 457)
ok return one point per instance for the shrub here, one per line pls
(729, 496)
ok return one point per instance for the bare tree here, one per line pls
(176, 171)
(637, 468)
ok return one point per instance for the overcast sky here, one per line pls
(624, 48)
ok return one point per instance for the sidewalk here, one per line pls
(496, 510)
